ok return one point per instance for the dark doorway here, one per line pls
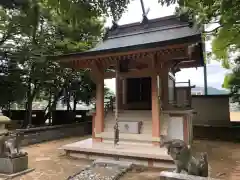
(139, 93)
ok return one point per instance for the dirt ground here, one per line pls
(50, 163)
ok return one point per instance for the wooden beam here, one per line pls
(141, 73)
(96, 71)
(133, 52)
(168, 55)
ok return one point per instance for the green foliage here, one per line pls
(31, 30)
(11, 86)
(223, 17)
(232, 81)
(108, 93)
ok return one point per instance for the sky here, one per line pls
(215, 73)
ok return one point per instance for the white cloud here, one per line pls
(215, 75)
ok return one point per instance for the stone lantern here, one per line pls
(13, 162)
(4, 120)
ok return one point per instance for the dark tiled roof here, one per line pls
(156, 33)
(156, 30)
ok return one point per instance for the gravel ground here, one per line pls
(100, 172)
(51, 163)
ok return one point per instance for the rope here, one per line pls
(116, 130)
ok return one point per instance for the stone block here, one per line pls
(129, 127)
(113, 162)
(13, 165)
(165, 175)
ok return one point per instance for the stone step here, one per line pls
(125, 142)
(128, 137)
(112, 121)
(143, 119)
(113, 162)
(131, 114)
(144, 130)
(129, 118)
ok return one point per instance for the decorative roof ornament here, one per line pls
(145, 19)
(114, 25)
(108, 30)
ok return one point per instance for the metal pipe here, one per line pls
(205, 79)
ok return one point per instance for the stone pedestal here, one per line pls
(13, 165)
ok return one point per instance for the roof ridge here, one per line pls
(149, 21)
(150, 30)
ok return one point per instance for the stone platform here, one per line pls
(144, 155)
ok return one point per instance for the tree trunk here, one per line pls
(75, 104)
(50, 108)
(28, 119)
(28, 107)
(29, 110)
(68, 101)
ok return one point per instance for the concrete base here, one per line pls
(10, 176)
(143, 155)
(165, 175)
(13, 165)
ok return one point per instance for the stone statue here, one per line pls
(198, 166)
(174, 146)
(10, 145)
(12, 160)
(116, 134)
(183, 159)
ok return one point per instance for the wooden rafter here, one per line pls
(133, 52)
(141, 56)
(147, 72)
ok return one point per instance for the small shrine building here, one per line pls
(143, 57)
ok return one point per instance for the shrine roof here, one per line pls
(156, 30)
(160, 32)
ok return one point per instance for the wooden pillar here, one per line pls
(164, 78)
(155, 106)
(120, 92)
(124, 96)
(99, 119)
(155, 111)
(117, 85)
(93, 125)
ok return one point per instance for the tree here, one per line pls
(222, 15)
(223, 18)
(232, 82)
(11, 85)
(37, 29)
